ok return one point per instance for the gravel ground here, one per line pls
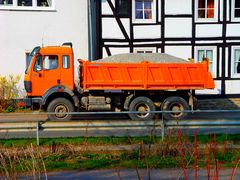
(138, 57)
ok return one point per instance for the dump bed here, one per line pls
(144, 76)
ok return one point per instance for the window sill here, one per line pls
(235, 75)
(235, 20)
(206, 20)
(143, 21)
(26, 8)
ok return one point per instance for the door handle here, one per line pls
(39, 75)
(58, 81)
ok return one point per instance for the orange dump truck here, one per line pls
(139, 87)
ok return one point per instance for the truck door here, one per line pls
(46, 74)
(67, 71)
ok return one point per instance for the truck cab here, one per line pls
(51, 69)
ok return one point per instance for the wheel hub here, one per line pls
(142, 109)
(176, 108)
(61, 109)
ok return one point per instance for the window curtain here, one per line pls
(237, 9)
(6, 2)
(210, 8)
(237, 61)
(148, 9)
(49, 2)
(209, 55)
(139, 9)
(200, 55)
(201, 8)
(206, 54)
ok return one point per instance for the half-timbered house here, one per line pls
(184, 28)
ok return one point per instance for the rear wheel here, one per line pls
(143, 105)
(175, 104)
(61, 106)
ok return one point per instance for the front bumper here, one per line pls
(30, 101)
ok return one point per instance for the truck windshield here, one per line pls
(31, 55)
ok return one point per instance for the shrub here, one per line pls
(8, 90)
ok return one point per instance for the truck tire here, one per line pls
(60, 105)
(142, 104)
(175, 103)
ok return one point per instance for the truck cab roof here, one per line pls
(56, 50)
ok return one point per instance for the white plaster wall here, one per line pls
(148, 31)
(106, 8)
(21, 31)
(115, 51)
(233, 87)
(233, 30)
(184, 52)
(216, 90)
(178, 27)
(178, 7)
(110, 28)
(209, 30)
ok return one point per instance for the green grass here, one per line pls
(66, 158)
(221, 138)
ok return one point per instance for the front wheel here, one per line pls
(177, 105)
(143, 105)
(61, 106)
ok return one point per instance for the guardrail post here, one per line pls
(37, 132)
(163, 129)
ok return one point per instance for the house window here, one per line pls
(24, 2)
(236, 62)
(206, 9)
(6, 2)
(144, 10)
(209, 53)
(123, 7)
(236, 8)
(44, 3)
(27, 4)
(145, 50)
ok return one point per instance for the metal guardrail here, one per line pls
(36, 122)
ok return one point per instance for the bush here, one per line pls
(8, 91)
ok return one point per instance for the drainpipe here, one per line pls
(90, 31)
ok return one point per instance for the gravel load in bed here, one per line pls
(139, 57)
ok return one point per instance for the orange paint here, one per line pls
(145, 76)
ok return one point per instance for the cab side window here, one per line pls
(50, 62)
(38, 64)
(65, 62)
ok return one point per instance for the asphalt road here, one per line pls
(129, 174)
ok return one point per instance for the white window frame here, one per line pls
(215, 19)
(145, 49)
(234, 75)
(34, 7)
(233, 12)
(153, 20)
(214, 61)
